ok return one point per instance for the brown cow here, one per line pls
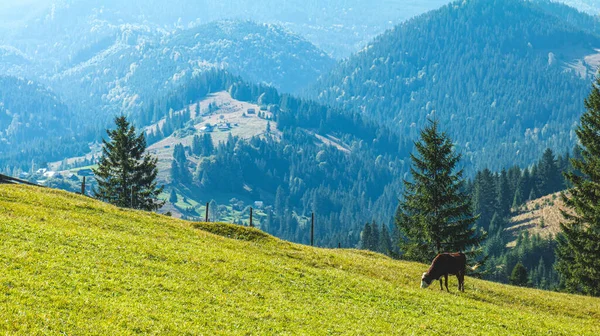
(443, 265)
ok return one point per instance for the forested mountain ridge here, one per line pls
(314, 158)
(35, 125)
(338, 26)
(140, 65)
(506, 78)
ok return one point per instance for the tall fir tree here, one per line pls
(485, 199)
(179, 170)
(366, 237)
(435, 214)
(374, 242)
(385, 241)
(549, 179)
(126, 176)
(578, 248)
(504, 197)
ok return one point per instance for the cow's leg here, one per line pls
(461, 281)
(446, 282)
(441, 284)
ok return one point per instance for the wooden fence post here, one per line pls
(206, 213)
(251, 224)
(312, 230)
(83, 186)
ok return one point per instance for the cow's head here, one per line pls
(426, 280)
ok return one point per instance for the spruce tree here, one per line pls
(365, 237)
(374, 242)
(578, 248)
(179, 170)
(126, 176)
(504, 199)
(549, 179)
(197, 145)
(385, 241)
(519, 198)
(435, 214)
(485, 198)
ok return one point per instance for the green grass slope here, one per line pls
(72, 265)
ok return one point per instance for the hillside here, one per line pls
(540, 216)
(228, 111)
(137, 64)
(77, 266)
(35, 125)
(506, 79)
(338, 26)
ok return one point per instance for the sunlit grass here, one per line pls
(76, 266)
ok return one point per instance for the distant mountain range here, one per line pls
(340, 27)
(119, 73)
(506, 78)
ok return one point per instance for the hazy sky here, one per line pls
(4, 4)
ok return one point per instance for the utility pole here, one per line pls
(312, 230)
(206, 213)
(83, 186)
(251, 224)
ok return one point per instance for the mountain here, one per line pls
(35, 125)
(338, 26)
(139, 66)
(79, 266)
(294, 156)
(506, 79)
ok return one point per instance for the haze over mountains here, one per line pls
(340, 26)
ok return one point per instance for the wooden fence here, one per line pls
(4, 179)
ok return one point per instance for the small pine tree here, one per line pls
(578, 249)
(519, 277)
(435, 213)
(126, 176)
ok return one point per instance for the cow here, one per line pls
(446, 264)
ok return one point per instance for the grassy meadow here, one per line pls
(72, 265)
